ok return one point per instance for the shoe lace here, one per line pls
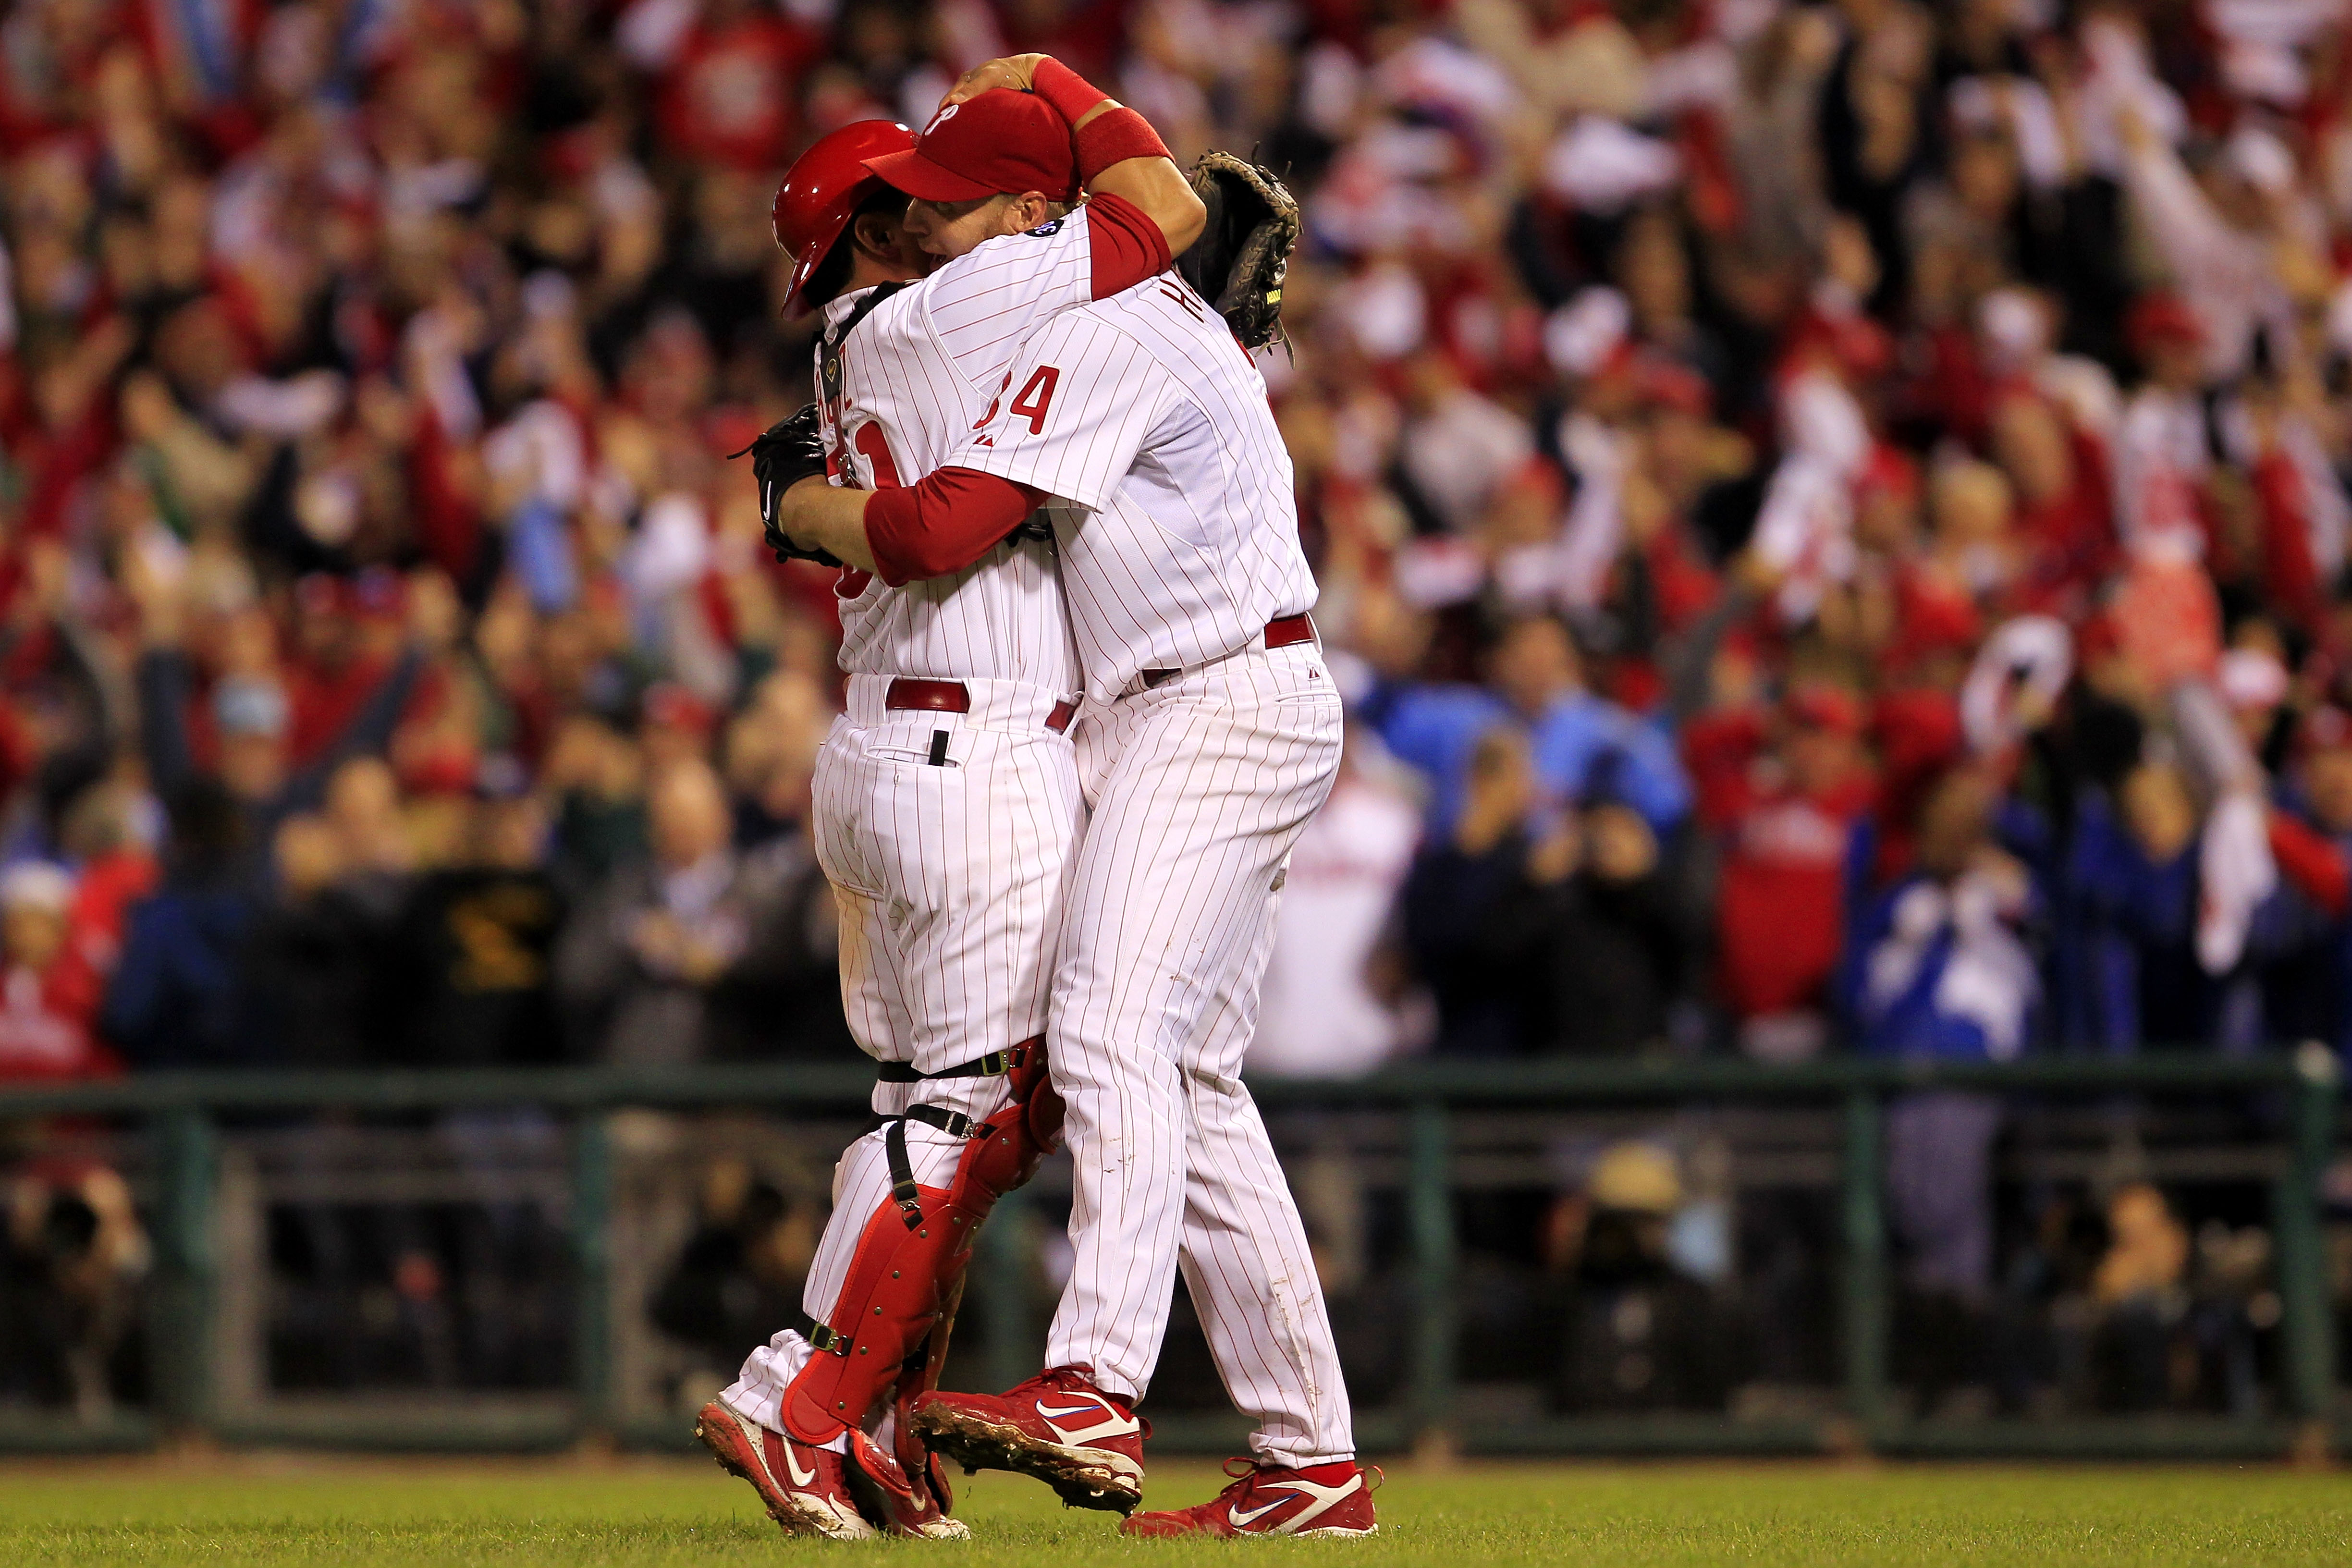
(1056, 1377)
(1247, 1471)
(1077, 1378)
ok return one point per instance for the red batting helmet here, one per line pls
(823, 188)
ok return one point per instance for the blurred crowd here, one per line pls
(1836, 516)
(1832, 521)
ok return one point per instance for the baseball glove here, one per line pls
(789, 450)
(1241, 256)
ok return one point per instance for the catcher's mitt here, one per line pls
(789, 450)
(1239, 260)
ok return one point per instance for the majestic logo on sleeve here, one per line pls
(1046, 230)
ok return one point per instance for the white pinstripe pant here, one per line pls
(949, 878)
(1199, 789)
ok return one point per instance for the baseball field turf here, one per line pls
(360, 1514)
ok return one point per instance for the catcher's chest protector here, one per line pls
(904, 1280)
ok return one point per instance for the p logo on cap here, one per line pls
(1000, 143)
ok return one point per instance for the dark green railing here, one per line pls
(183, 1111)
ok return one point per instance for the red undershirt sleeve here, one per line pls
(1126, 246)
(942, 524)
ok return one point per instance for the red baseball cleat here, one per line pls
(1057, 1427)
(1333, 1499)
(805, 1489)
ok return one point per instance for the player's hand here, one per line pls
(791, 450)
(1016, 72)
(1033, 527)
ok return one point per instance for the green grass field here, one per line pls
(388, 1514)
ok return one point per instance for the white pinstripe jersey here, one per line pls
(1144, 418)
(916, 374)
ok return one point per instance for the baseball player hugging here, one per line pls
(1134, 425)
(947, 799)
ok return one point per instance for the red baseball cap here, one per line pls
(1001, 144)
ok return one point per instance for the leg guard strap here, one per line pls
(995, 1063)
(903, 1191)
(905, 1275)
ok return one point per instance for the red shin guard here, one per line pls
(888, 1329)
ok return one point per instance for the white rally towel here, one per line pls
(2237, 873)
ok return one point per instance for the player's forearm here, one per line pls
(821, 515)
(940, 525)
(1119, 154)
(1157, 186)
(943, 523)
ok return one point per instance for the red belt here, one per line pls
(1283, 631)
(1287, 631)
(906, 693)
